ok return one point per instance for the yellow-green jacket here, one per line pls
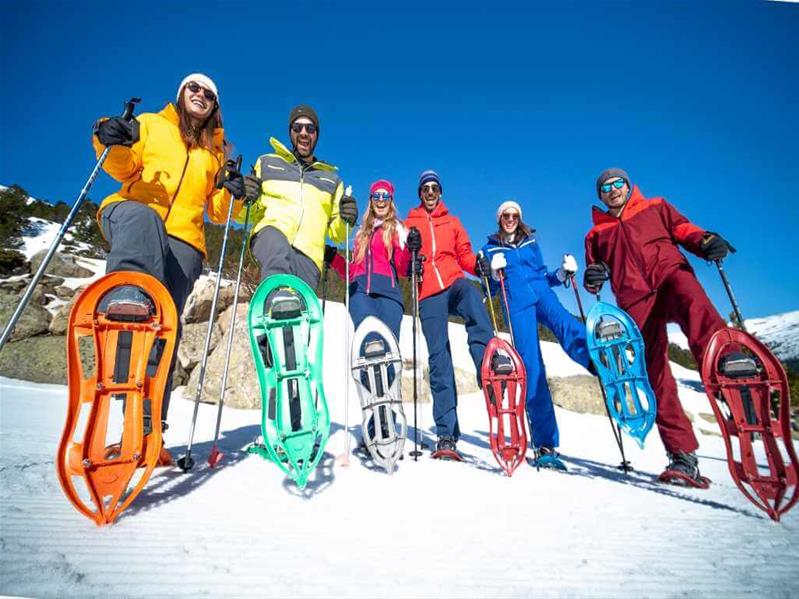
(302, 203)
(160, 172)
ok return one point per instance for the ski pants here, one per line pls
(679, 299)
(139, 242)
(386, 309)
(277, 256)
(570, 333)
(460, 299)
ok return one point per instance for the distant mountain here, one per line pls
(780, 332)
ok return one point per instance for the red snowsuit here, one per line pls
(654, 283)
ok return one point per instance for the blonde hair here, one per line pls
(365, 232)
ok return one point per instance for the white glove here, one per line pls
(567, 269)
(498, 262)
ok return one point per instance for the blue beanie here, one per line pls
(429, 176)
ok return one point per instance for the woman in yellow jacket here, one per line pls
(167, 163)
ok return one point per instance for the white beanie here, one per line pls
(509, 204)
(203, 80)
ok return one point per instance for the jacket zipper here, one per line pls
(369, 264)
(635, 255)
(177, 190)
(302, 202)
(433, 257)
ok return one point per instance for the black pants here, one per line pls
(277, 256)
(139, 243)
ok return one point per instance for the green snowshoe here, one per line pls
(286, 337)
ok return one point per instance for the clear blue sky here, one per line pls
(698, 101)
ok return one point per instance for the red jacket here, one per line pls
(640, 248)
(445, 245)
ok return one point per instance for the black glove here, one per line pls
(482, 267)
(330, 253)
(414, 240)
(714, 247)
(417, 266)
(230, 178)
(348, 210)
(595, 275)
(252, 189)
(116, 131)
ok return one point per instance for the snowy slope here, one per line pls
(780, 332)
(459, 530)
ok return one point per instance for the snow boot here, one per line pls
(548, 458)
(683, 470)
(446, 449)
(127, 303)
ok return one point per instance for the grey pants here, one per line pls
(139, 242)
(277, 256)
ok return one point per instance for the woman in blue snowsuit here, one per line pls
(515, 251)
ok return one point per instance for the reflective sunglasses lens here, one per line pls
(618, 184)
(381, 196)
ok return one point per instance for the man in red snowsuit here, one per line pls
(634, 244)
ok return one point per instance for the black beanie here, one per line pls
(303, 110)
(609, 174)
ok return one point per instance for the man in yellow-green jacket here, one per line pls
(297, 201)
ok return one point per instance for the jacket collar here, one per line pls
(283, 152)
(600, 216)
(170, 113)
(440, 210)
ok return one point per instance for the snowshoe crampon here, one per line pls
(749, 394)
(286, 338)
(505, 388)
(377, 370)
(617, 351)
(118, 358)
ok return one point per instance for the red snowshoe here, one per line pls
(683, 471)
(446, 450)
(116, 350)
(749, 394)
(505, 388)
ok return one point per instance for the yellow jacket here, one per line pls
(159, 171)
(300, 201)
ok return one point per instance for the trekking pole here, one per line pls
(501, 273)
(414, 309)
(186, 462)
(344, 460)
(215, 456)
(127, 114)
(731, 295)
(490, 302)
(625, 465)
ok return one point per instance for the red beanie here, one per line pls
(382, 184)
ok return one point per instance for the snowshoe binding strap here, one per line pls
(446, 449)
(750, 398)
(88, 464)
(548, 459)
(683, 471)
(505, 388)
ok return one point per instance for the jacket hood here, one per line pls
(599, 215)
(420, 211)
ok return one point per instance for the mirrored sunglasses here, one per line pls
(380, 196)
(617, 184)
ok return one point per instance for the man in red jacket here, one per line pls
(634, 244)
(439, 237)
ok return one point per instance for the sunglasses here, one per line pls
(298, 127)
(617, 184)
(510, 216)
(380, 196)
(434, 187)
(207, 93)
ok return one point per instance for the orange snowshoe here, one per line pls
(118, 356)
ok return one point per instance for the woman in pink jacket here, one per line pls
(379, 257)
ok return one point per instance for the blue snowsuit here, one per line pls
(531, 301)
